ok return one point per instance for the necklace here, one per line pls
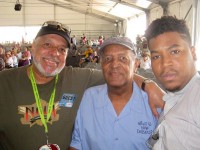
(38, 103)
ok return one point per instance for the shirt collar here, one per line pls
(169, 94)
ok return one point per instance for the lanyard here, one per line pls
(38, 103)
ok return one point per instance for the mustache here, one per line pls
(50, 58)
(166, 72)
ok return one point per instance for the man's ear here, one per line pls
(193, 52)
(136, 65)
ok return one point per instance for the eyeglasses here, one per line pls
(58, 26)
(61, 49)
(50, 147)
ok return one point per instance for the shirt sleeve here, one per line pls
(76, 136)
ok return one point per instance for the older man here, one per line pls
(115, 115)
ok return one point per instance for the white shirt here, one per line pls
(145, 64)
(180, 127)
(15, 61)
(9, 62)
(74, 40)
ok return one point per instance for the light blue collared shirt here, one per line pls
(98, 127)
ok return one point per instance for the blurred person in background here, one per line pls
(145, 61)
(2, 56)
(15, 60)
(8, 60)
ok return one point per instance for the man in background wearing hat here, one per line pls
(39, 102)
(115, 115)
(145, 61)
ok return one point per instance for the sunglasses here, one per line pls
(57, 25)
(50, 147)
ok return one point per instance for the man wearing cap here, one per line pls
(115, 115)
(39, 102)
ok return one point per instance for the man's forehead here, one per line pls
(51, 37)
(118, 46)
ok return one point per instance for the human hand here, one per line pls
(155, 95)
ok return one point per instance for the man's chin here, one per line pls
(172, 88)
(52, 73)
(48, 72)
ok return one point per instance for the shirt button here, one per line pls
(116, 139)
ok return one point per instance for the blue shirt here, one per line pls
(97, 126)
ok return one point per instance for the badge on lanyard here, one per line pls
(50, 147)
(67, 100)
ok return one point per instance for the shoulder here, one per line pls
(70, 69)
(95, 94)
(84, 76)
(139, 91)
(11, 77)
(96, 89)
(13, 71)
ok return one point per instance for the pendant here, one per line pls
(50, 147)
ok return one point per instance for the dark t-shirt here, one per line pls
(19, 118)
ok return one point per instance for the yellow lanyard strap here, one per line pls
(38, 103)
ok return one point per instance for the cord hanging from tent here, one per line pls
(17, 2)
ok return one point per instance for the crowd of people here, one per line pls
(14, 56)
(89, 55)
(85, 50)
(47, 105)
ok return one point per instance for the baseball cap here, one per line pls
(53, 27)
(124, 41)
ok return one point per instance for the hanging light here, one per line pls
(18, 6)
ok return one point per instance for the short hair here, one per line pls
(168, 24)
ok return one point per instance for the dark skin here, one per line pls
(118, 84)
(172, 60)
(118, 65)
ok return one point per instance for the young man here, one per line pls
(115, 115)
(38, 103)
(173, 62)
